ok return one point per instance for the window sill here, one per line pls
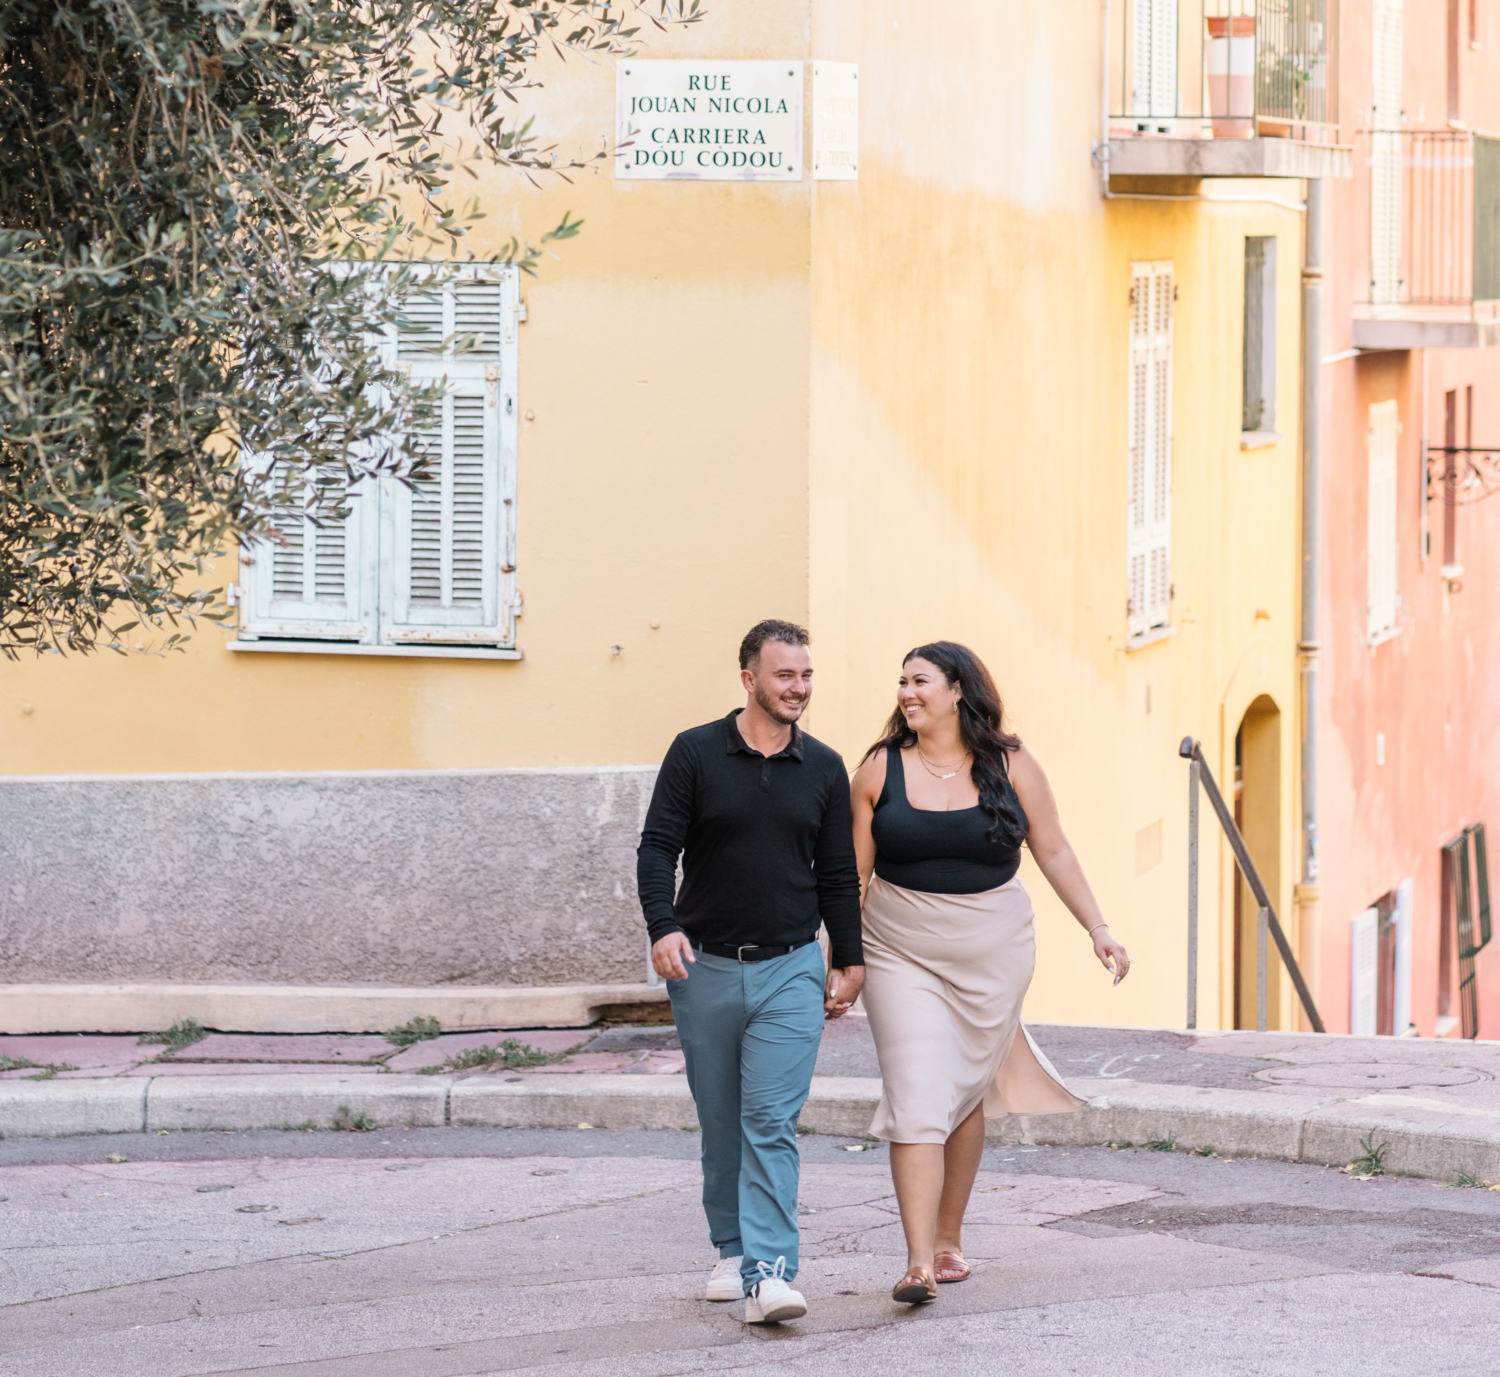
(1157, 633)
(1381, 637)
(446, 652)
(1260, 439)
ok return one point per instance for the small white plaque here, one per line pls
(835, 129)
(709, 121)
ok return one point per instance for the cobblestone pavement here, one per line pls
(449, 1252)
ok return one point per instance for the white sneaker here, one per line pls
(724, 1283)
(771, 1300)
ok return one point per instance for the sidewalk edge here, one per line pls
(1415, 1138)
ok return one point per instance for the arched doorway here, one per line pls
(1257, 811)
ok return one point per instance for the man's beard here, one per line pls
(775, 709)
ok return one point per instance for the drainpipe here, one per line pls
(1102, 149)
(1308, 891)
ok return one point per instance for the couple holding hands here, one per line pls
(912, 871)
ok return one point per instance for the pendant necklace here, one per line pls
(927, 765)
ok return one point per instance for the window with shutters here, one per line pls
(1258, 404)
(1153, 64)
(1382, 550)
(425, 565)
(1149, 531)
(1385, 157)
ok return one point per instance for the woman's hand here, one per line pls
(842, 990)
(1111, 954)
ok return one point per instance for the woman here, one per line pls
(942, 803)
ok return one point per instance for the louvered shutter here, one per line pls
(313, 581)
(1154, 50)
(1385, 157)
(449, 577)
(1382, 549)
(1149, 537)
(1401, 1013)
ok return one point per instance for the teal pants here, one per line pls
(750, 1034)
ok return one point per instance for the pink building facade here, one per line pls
(1408, 710)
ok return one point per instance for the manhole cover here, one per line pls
(1371, 1075)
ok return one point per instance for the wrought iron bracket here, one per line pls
(1475, 473)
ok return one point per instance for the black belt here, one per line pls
(748, 952)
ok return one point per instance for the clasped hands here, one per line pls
(842, 990)
(670, 953)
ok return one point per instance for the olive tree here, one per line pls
(209, 211)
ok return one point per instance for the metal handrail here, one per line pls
(1192, 750)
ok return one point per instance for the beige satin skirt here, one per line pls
(945, 977)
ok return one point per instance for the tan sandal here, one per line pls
(951, 1264)
(915, 1287)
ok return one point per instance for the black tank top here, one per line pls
(940, 853)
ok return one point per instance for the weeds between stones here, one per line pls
(1371, 1162)
(184, 1033)
(419, 1029)
(47, 1069)
(1162, 1144)
(510, 1055)
(345, 1121)
(1467, 1181)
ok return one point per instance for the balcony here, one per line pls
(1432, 243)
(1224, 88)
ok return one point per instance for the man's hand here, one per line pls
(843, 989)
(668, 954)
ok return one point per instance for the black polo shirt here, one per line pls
(767, 844)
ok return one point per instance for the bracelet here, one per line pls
(1095, 929)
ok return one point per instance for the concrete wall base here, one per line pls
(392, 877)
(313, 1008)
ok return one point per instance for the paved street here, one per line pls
(445, 1252)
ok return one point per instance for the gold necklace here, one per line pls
(927, 765)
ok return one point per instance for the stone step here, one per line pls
(129, 1008)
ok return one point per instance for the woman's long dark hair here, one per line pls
(981, 724)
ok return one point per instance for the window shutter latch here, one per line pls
(491, 384)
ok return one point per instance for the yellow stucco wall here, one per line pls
(969, 479)
(896, 408)
(663, 478)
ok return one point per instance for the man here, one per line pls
(759, 812)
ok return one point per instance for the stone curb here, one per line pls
(1429, 1138)
(309, 1008)
(177, 1103)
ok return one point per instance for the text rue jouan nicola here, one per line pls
(709, 147)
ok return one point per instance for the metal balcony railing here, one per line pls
(1433, 217)
(1225, 68)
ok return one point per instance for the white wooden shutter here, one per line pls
(1154, 49)
(314, 581)
(1381, 552)
(1401, 1018)
(449, 576)
(1364, 961)
(1385, 157)
(1149, 536)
